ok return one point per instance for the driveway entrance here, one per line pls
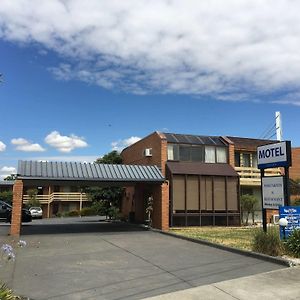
(90, 259)
(48, 176)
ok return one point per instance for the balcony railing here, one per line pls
(251, 176)
(45, 199)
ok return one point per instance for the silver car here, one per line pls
(36, 212)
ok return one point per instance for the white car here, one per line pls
(36, 212)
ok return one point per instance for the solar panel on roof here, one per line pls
(170, 138)
(193, 139)
(182, 139)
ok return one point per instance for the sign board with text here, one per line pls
(274, 155)
(292, 214)
(272, 192)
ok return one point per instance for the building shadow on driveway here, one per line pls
(79, 226)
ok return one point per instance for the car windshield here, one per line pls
(4, 203)
(36, 208)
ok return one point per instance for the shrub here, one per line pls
(33, 201)
(72, 213)
(267, 242)
(88, 211)
(100, 207)
(6, 196)
(248, 203)
(292, 244)
(296, 202)
(6, 293)
(113, 213)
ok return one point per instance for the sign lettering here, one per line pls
(274, 155)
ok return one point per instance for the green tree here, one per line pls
(112, 157)
(248, 204)
(106, 199)
(11, 177)
(33, 201)
(6, 196)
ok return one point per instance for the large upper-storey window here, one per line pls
(207, 154)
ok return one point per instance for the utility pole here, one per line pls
(278, 126)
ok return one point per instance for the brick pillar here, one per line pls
(165, 206)
(16, 216)
(231, 159)
(161, 207)
(231, 155)
(164, 156)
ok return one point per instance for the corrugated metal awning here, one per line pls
(193, 168)
(78, 171)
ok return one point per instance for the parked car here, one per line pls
(6, 209)
(36, 212)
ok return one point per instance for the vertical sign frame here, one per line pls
(273, 156)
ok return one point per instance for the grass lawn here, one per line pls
(237, 237)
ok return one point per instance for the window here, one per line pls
(184, 153)
(221, 155)
(237, 159)
(254, 160)
(170, 152)
(197, 154)
(246, 160)
(173, 152)
(210, 155)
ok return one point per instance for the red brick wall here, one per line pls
(140, 196)
(15, 228)
(231, 159)
(161, 207)
(127, 201)
(295, 169)
(134, 154)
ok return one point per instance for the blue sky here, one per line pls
(99, 77)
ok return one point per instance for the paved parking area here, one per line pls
(84, 258)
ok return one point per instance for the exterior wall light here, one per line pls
(283, 222)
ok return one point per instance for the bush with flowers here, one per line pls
(7, 254)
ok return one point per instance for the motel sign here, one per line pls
(274, 155)
(274, 190)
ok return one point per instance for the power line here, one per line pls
(269, 128)
(270, 131)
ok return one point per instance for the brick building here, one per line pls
(203, 185)
(295, 168)
(206, 175)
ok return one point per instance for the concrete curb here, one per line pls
(277, 260)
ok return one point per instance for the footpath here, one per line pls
(283, 284)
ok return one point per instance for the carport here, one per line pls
(142, 178)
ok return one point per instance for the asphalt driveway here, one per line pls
(84, 258)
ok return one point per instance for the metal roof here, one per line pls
(209, 169)
(194, 139)
(249, 144)
(88, 172)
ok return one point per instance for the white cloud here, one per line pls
(2, 146)
(6, 171)
(211, 48)
(121, 144)
(26, 146)
(65, 143)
